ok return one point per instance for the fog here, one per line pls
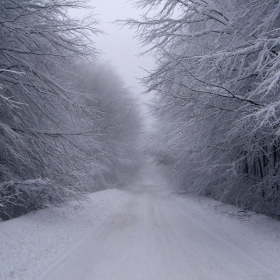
(119, 45)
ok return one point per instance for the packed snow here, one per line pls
(147, 231)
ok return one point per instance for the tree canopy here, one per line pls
(62, 118)
(217, 86)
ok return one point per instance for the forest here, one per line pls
(217, 96)
(69, 126)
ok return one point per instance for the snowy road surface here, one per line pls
(155, 236)
(147, 233)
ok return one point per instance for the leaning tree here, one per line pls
(39, 42)
(217, 82)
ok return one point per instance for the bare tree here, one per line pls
(38, 44)
(217, 81)
(117, 121)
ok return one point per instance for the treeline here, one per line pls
(217, 105)
(67, 125)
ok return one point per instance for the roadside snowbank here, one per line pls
(31, 243)
(254, 234)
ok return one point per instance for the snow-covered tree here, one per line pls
(116, 120)
(217, 82)
(38, 44)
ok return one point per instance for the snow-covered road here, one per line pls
(144, 232)
(157, 236)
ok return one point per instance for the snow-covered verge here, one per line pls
(31, 243)
(256, 235)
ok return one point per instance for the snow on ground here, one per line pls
(32, 243)
(143, 232)
(253, 234)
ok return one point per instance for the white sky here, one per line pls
(119, 46)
